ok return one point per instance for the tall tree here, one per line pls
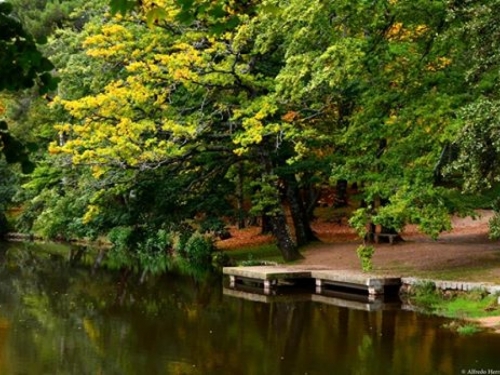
(382, 78)
(182, 94)
(476, 145)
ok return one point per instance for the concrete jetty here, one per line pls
(271, 276)
(373, 284)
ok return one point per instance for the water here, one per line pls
(61, 317)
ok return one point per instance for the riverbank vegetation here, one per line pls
(466, 308)
(172, 120)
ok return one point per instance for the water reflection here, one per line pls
(59, 315)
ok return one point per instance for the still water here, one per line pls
(60, 316)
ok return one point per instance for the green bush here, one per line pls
(198, 250)
(144, 250)
(365, 254)
(154, 253)
(121, 237)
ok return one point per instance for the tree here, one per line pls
(477, 155)
(182, 94)
(22, 65)
(385, 82)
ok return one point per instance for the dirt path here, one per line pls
(465, 253)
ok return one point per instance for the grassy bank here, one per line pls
(467, 309)
(256, 254)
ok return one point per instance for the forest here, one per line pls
(156, 124)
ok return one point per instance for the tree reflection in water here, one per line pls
(59, 313)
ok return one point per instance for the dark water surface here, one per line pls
(60, 317)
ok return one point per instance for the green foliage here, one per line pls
(154, 254)
(22, 64)
(215, 226)
(198, 250)
(14, 150)
(474, 304)
(41, 17)
(158, 108)
(8, 181)
(495, 226)
(221, 259)
(463, 328)
(479, 151)
(121, 238)
(468, 329)
(64, 219)
(122, 6)
(359, 221)
(266, 198)
(141, 250)
(365, 255)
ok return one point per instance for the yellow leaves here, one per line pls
(160, 9)
(181, 63)
(54, 149)
(440, 64)
(254, 129)
(177, 129)
(393, 118)
(394, 31)
(63, 128)
(136, 66)
(116, 30)
(398, 32)
(257, 121)
(421, 30)
(300, 148)
(111, 42)
(97, 171)
(117, 101)
(444, 61)
(242, 37)
(91, 214)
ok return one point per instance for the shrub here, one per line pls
(153, 253)
(198, 250)
(365, 254)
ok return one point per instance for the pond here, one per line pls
(59, 315)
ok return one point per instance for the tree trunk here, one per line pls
(287, 246)
(266, 226)
(303, 231)
(340, 194)
(3, 226)
(240, 197)
(311, 196)
(281, 232)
